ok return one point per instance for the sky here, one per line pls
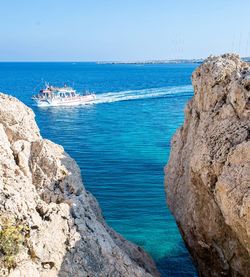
(122, 30)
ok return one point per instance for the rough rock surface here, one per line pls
(208, 174)
(41, 186)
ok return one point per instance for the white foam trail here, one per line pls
(110, 97)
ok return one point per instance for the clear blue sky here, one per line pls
(104, 30)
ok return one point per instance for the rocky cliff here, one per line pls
(49, 224)
(208, 174)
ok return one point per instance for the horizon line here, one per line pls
(113, 61)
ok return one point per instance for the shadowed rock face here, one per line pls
(207, 178)
(41, 186)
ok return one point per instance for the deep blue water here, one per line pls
(120, 146)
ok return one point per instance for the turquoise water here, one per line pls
(121, 143)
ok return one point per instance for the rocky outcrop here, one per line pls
(41, 186)
(208, 174)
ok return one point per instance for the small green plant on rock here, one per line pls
(13, 234)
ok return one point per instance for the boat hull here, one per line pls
(70, 101)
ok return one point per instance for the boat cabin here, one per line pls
(56, 94)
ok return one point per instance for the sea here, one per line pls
(121, 142)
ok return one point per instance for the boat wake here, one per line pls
(110, 97)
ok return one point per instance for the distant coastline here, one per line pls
(174, 61)
(155, 61)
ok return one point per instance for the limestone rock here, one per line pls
(41, 186)
(207, 178)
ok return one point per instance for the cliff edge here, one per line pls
(207, 178)
(49, 224)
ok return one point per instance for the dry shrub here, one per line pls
(13, 234)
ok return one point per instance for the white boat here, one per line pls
(61, 96)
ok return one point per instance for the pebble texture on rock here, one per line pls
(207, 178)
(41, 186)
